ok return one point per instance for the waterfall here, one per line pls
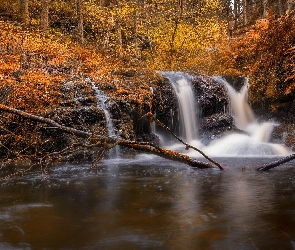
(181, 84)
(102, 104)
(240, 108)
(256, 140)
(253, 142)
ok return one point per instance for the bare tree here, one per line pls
(24, 12)
(245, 12)
(80, 31)
(290, 5)
(44, 22)
(265, 7)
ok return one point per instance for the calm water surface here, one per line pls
(151, 203)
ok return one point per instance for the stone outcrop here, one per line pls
(131, 95)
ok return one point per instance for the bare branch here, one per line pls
(187, 146)
(277, 163)
(104, 142)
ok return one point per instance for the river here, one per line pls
(150, 203)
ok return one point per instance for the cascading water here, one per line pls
(102, 105)
(255, 140)
(186, 102)
(240, 108)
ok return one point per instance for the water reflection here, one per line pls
(144, 205)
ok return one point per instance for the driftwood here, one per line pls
(165, 153)
(277, 163)
(187, 146)
(105, 142)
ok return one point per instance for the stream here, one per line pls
(151, 203)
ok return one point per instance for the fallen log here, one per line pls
(277, 163)
(106, 142)
(167, 154)
(187, 146)
(54, 124)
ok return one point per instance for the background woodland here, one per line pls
(43, 42)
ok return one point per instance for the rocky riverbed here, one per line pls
(129, 95)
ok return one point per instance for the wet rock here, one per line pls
(165, 105)
(211, 95)
(216, 121)
(79, 116)
(290, 141)
(236, 81)
(150, 137)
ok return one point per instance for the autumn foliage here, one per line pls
(35, 66)
(265, 53)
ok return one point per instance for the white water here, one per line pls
(255, 140)
(240, 108)
(187, 104)
(102, 105)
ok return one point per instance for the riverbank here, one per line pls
(55, 78)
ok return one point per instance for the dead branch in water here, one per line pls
(187, 146)
(277, 163)
(165, 153)
(100, 143)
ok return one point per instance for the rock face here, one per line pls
(130, 95)
(212, 103)
(79, 108)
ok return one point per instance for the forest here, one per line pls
(46, 44)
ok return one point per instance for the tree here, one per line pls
(280, 7)
(80, 28)
(93, 141)
(44, 22)
(180, 31)
(245, 12)
(24, 12)
(290, 5)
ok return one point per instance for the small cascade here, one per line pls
(240, 108)
(102, 104)
(255, 142)
(186, 102)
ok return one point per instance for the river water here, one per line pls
(151, 203)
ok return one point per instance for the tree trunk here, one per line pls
(182, 6)
(245, 12)
(236, 14)
(119, 38)
(44, 22)
(24, 12)
(280, 8)
(135, 22)
(80, 28)
(290, 5)
(265, 7)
